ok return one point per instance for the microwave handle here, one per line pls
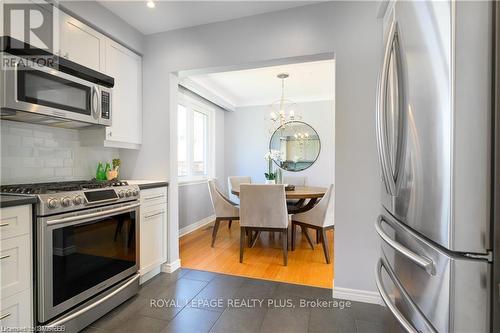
(95, 101)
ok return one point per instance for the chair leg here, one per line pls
(254, 240)
(229, 225)
(318, 236)
(242, 242)
(214, 231)
(326, 250)
(285, 246)
(306, 233)
(293, 236)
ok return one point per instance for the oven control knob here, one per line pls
(128, 193)
(53, 203)
(78, 200)
(121, 194)
(135, 193)
(65, 202)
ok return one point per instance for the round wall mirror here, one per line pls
(295, 146)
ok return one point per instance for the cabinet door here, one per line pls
(126, 68)
(15, 265)
(15, 311)
(153, 222)
(80, 43)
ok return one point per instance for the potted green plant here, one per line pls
(113, 173)
(270, 177)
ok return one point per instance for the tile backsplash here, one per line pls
(38, 153)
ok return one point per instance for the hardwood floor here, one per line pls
(263, 261)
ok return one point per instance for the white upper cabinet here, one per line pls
(126, 107)
(86, 46)
(80, 43)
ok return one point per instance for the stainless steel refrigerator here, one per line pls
(438, 149)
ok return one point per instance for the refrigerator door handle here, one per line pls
(404, 294)
(424, 262)
(391, 177)
(380, 115)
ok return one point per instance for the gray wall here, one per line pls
(194, 204)
(247, 133)
(353, 32)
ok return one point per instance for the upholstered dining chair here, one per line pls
(234, 182)
(320, 218)
(263, 208)
(225, 209)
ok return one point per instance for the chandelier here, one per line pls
(283, 110)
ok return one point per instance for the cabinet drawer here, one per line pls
(153, 196)
(16, 310)
(15, 265)
(15, 221)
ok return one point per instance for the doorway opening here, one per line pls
(228, 121)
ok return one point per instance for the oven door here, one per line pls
(44, 91)
(84, 253)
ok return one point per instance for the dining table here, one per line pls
(304, 197)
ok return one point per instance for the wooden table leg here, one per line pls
(310, 204)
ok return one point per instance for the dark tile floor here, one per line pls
(195, 301)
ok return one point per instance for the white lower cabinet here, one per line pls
(16, 273)
(153, 226)
(16, 310)
(15, 265)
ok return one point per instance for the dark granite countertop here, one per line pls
(147, 184)
(10, 200)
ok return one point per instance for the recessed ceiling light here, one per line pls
(151, 4)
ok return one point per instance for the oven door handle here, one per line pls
(93, 305)
(92, 215)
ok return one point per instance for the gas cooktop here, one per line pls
(64, 197)
(57, 187)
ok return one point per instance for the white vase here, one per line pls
(270, 181)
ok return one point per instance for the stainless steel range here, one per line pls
(86, 249)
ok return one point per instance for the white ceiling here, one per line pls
(310, 81)
(171, 15)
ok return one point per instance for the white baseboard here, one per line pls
(358, 295)
(197, 225)
(172, 267)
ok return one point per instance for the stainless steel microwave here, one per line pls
(64, 95)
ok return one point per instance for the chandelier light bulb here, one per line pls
(150, 4)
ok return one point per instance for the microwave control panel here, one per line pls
(105, 105)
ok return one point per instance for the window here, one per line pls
(194, 139)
